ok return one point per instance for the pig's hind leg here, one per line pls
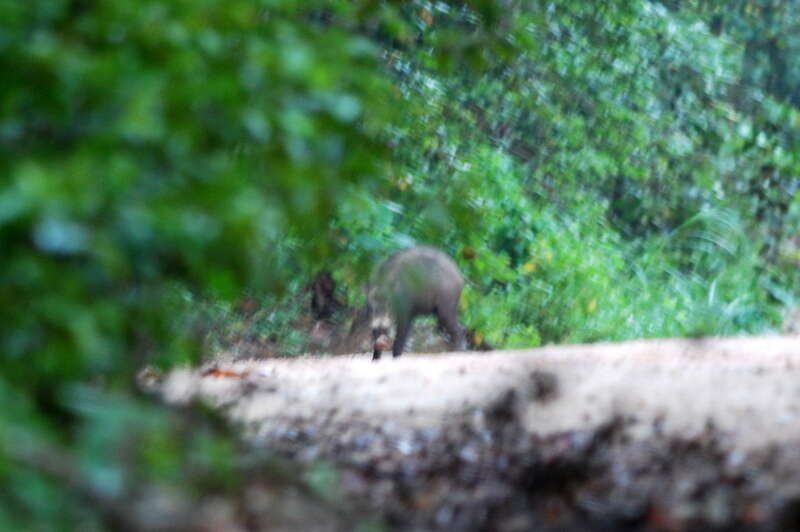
(448, 322)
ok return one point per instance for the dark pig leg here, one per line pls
(403, 328)
(449, 323)
(376, 354)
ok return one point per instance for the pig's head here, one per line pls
(382, 333)
(381, 324)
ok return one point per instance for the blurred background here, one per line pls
(185, 178)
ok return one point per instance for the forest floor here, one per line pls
(647, 435)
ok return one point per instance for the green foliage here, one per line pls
(540, 274)
(275, 325)
(633, 174)
(151, 150)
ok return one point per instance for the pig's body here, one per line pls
(417, 281)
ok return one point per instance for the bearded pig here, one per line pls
(417, 281)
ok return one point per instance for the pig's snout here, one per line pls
(382, 343)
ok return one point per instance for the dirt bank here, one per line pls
(660, 434)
